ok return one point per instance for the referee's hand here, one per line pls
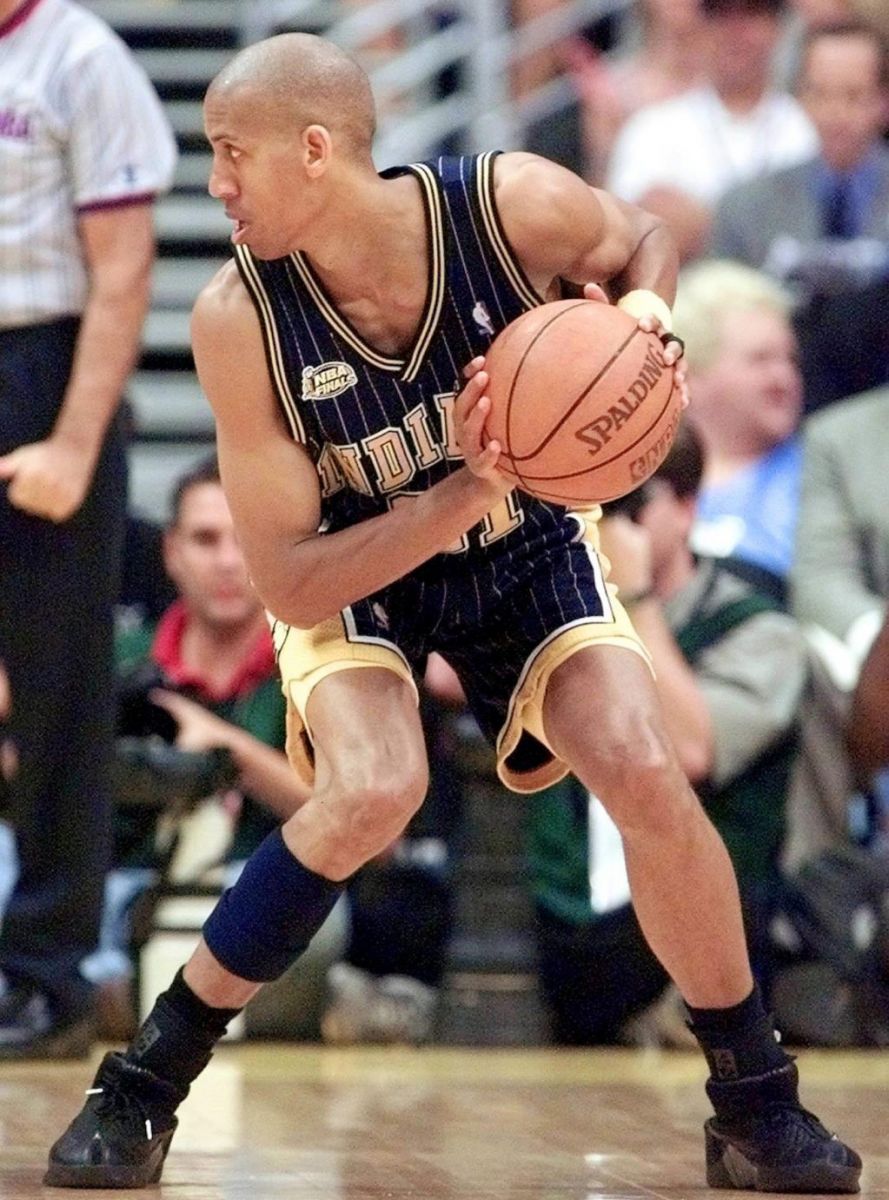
(47, 479)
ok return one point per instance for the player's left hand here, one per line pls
(674, 346)
(674, 351)
(47, 479)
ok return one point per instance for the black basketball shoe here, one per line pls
(763, 1139)
(121, 1136)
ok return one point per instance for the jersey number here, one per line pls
(503, 518)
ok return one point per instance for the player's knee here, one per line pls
(638, 777)
(370, 810)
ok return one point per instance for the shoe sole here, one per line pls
(69, 1175)
(728, 1167)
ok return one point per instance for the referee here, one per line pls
(84, 149)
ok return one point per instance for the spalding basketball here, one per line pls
(582, 402)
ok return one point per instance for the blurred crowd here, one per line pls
(755, 563)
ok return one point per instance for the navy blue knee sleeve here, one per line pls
(263, 923)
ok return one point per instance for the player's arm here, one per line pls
(273, 488)
(560, 227)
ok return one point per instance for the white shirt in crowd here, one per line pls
(81, 128)
(692, 142)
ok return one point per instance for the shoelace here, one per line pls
(123, 1108)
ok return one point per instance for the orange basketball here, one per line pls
(582, 402)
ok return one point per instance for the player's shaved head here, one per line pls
(298, 79)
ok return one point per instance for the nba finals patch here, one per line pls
(329, 380)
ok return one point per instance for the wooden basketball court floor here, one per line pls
(308, 1123)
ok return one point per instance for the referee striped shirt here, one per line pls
(81, 128)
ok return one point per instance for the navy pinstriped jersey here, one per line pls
(380, 427)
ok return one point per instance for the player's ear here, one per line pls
(317, 149)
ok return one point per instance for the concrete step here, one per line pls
(135, 15)
(178, 65)
(177, 281)
(166, 332)
(191, 218)
(193, 172)
(169, 404)
(186, 117)
(155, 468)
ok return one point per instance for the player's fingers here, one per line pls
(489, 457)
(472, 368)
(592, 291)
(470, 394)
(674, 347)
(475, 419)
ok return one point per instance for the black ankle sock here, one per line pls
(740, 1041)
(192, 1008)
(177, 1037)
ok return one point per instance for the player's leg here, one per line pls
(601, 716)
(371, 777)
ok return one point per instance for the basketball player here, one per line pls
(377, 529)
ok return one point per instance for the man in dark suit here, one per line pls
(823, 226)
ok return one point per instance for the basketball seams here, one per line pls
(597, 379)
(509, 407)
(565, 395)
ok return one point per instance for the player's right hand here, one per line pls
(470, 413)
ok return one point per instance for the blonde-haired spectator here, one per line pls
(747, 400)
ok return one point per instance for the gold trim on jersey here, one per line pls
(307, 656)
(494, 230)
(437, 280)
(407, 367)
(254, 284)
(525, 712)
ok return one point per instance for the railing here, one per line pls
(473, 36)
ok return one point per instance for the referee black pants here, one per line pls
(58, 585)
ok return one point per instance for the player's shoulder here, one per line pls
(528, 184)
(517, 169)
(224, 300)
